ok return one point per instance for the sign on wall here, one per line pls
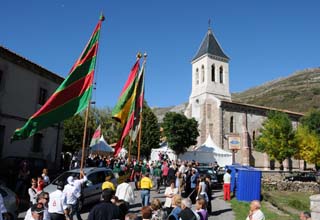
(234, 142)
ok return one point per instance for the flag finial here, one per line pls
(145, 55)
(139, 55)
(102, 18)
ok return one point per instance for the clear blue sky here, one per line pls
(264, 39)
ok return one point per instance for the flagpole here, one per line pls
(139, 140)
(129, 151)
(140, 128)
(85, 134)
(102, 18)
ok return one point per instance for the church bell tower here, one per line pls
(210, 84)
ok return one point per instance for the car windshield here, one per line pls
(63, 177)
(207, 171)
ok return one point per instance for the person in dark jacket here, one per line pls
(105, 210)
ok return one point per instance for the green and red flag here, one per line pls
(122, 109)
(133, 121)
(138, 105)
(96, 136)
(71, 97)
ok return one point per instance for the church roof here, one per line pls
(225, 103)
(210, 46)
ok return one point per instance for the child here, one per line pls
(40, 184)
(201, 209)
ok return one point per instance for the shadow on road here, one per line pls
(219, 212)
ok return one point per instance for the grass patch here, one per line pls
(289, 202)
(241, 210)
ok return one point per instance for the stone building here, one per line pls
(211, 105)
(24, 88)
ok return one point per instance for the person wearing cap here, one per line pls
(36, 212)
(73, 195)
(58, 209)
(146, 185)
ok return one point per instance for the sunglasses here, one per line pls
(46, 198)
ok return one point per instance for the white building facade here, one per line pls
(24, 88)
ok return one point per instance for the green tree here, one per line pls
(308, 138)
(277, 137)
(111, 130)
(150, 132)
(73, 133)
(180, 131)
(312, 121)
(73, 128)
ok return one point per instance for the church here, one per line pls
(220, 118)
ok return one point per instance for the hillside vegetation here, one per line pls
(298, 92)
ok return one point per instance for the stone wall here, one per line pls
(274, 181)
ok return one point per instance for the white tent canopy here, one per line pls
(101, 147)
(209, 152)
(163, 149)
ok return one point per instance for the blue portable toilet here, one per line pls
(248, 184)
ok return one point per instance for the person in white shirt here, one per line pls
(182, 168)
(3, 210)
(226, 184)
(125, 192)
(73, 194)
(255, 213)
(32, 191)
(58, 209)
(169, 194)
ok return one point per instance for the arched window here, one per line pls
(221, 74)
(197, 76)
(231, 124)
(213, 73)
(202, 73)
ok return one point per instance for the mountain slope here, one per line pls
(298, 92)
(160, 112)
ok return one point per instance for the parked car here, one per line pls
(203, 170)
(91, 190)
(11, 202)
(303, 177)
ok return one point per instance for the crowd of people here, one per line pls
(188, 194)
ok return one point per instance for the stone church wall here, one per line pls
(248, 126)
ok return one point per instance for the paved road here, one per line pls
(221, 209)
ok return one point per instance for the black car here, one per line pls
(213, 177)
(302, 177)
